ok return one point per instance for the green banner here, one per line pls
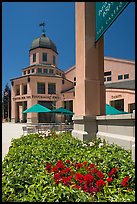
(106, 14)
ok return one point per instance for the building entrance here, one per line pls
(20, 116)
(118, 104)
(47, 117)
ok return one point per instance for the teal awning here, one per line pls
(37, 108)
(113, 111)
(63, 111)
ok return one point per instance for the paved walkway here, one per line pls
(9, 131)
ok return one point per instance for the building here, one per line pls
(41, 82)
(44, 83)
(119, 79)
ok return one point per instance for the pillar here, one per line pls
(89, 90)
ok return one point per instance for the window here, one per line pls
(108, 78)
(51, 71)
(74, 83)
(54, 59)
(63, 82)
(118, 104)
(39, 70)
(24, 72)
(41, 88)
(45, 71)
(34, 57)
(126, 76)
(107, 73)
(44, 57)
(120, 77)
(74, 78)
(29, 71)
(32, 70)
(131, 107)
(24, 89)
(18, 90)
(51, 88)
(104, 78)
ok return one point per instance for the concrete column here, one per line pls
(20, 89)
(89, 91)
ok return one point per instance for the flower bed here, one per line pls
(60, 168)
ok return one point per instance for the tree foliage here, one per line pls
(6, 103)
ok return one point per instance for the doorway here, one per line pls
(47, 117)
(118, 104)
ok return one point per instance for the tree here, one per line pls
(6, 103)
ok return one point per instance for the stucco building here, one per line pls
(44, 83)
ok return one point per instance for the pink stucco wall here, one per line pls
(32, 97)
(39, 52)
(117, 94)
(71, 73)
(119, 66)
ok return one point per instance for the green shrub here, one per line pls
(25, 178)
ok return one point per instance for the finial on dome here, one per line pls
(43, 29)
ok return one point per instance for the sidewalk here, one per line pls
(9, 131)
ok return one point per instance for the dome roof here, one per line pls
(43, 42)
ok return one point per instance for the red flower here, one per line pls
(72, 172)
(109, 179)
(125, 180)
(92, 166)
(94, 170)
(78, 165)
(78, 176)
(66, 181)
(60, 164)
(77, 186)
(86, 168)
(55, 169)
(57, 176)
(85, 188)
(85, 163)
(94, 189)
(65, 171)
(62, 172)
(56, 181)
(88, 178)
(68, 161)
(100, 183)
(100, 175)
(113, 171)
(123, 183)
(48, 167)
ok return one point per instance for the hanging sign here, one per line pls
(106, 14)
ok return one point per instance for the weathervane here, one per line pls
(43, 29)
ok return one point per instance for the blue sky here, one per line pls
(20, 26)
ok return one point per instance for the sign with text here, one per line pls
(106, 14)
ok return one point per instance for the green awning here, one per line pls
(63, 111)
(37, 108)
(113, 111)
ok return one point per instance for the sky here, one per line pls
(20, 26)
